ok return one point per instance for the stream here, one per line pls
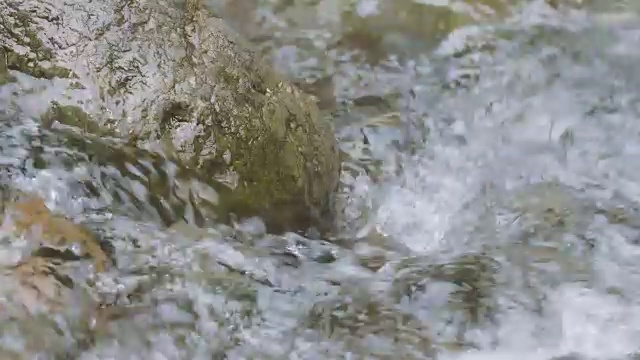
(490, 205)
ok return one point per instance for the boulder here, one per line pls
(171, 77)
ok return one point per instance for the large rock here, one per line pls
(172, 78)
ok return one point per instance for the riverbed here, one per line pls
(489, 202)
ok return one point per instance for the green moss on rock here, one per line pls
(177, 78)
(5, 77)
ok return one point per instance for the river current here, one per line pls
(489, 197)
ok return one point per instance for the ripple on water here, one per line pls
(542, 130)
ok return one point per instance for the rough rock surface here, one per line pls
(171, 77)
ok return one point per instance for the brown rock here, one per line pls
(31, 216)
(41, 284)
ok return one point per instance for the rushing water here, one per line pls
(490, 198)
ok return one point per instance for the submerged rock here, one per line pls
(172, 78)
(40, 284)
(31, 217)
(45, 272)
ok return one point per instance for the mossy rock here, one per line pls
(354, 315)
(5, 77)
(172, 78)
(403, 25)
(71, 116)
(183, 194)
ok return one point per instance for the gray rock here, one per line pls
(172, 78)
